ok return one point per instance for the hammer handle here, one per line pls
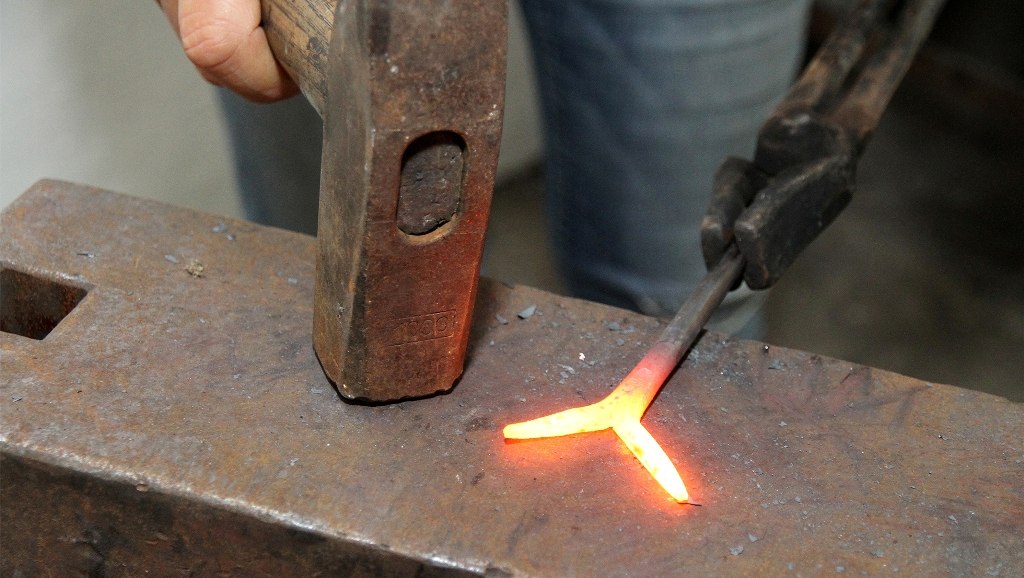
(299, 32)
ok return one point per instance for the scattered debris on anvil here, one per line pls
(222, 229)
(195, 268)
(528, 312)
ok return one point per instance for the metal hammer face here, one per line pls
(412, 107)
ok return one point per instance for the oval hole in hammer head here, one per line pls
(431, 185)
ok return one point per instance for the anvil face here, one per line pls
(177, 417)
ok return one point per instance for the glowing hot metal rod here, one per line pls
(625, 405)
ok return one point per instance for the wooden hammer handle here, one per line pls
(299, 32)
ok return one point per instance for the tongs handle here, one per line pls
(866, 100)
(803, 171)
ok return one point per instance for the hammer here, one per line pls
(411, 95)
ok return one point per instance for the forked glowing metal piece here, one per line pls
(622, 409)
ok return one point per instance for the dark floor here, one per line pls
(923, 274)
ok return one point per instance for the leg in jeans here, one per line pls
(642, 99)
(277, 160)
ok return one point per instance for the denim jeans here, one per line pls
(641, 100)
(276, 149)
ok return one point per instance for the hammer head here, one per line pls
(412, 124)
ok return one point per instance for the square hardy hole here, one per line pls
(33, 306)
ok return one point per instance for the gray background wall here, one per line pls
(100, 93)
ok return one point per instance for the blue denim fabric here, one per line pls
(276, 150)
(642, 99)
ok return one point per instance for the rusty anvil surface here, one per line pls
(176, 423)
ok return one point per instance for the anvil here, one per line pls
(168, 414)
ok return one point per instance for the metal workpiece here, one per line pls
(412, 96)
(804, 167)
(177, 420)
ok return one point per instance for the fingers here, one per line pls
(225, 42)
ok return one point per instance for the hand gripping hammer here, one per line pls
(411, 94)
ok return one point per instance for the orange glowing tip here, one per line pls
(622, 409)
